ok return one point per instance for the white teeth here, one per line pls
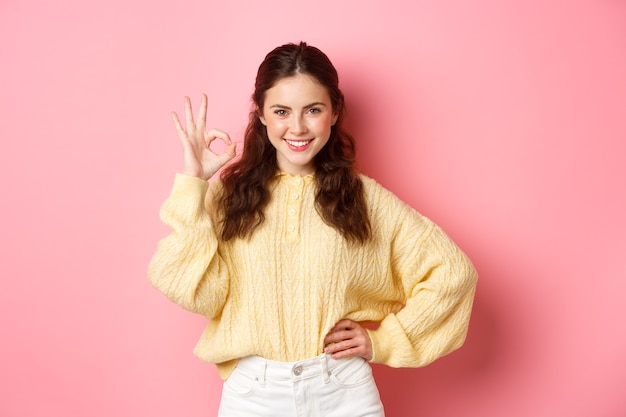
(298, 143)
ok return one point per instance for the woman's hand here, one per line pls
(199, 160)
(348, 338)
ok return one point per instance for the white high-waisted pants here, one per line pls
(317, 387)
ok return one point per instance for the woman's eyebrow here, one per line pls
(308, 106)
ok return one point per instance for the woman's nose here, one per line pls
(298, 126)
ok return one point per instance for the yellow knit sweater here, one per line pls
(278, 293)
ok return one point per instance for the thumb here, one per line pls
(232, 150)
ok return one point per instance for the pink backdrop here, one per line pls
(504, 121)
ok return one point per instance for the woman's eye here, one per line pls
(280, 112)
(314, 110)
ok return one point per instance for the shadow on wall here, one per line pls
(452, 383)
(452, 379)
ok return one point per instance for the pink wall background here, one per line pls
(504, 121)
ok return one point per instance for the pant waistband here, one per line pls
(265, 369)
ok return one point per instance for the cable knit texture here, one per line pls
(278, 293)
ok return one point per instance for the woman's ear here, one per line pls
(334, 119)
(259, 114)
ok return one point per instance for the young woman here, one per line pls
(291, 252)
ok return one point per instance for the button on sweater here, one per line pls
(278, 293)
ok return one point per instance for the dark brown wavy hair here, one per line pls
(339, 198)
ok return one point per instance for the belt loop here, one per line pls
(263, 373)
(325, 371)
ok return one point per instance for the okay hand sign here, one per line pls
(199, 160)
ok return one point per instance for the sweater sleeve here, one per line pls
(438, 281)
(186, 266)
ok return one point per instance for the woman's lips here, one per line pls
(298, 145)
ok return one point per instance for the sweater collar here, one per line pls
(285, 176)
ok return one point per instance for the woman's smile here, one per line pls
(298, 145)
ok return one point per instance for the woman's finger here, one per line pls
(202, 113)
(338, 336)
(179, 128)
(346, 348)
(213, 134)
(191, 126)
(344, 324)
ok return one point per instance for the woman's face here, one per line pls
(298, 115)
